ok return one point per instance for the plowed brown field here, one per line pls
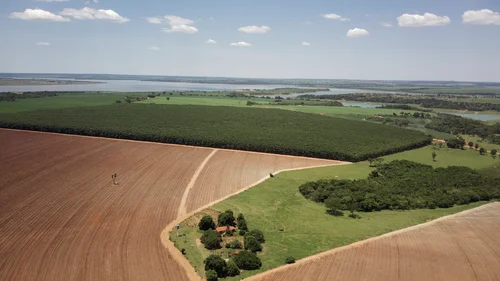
(461, 247)
(62, 218)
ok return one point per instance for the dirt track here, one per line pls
(61, 217)
(461, 247)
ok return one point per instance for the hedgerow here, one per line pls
(251, 129)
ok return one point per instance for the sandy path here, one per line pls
(194, 178)
(463, 246)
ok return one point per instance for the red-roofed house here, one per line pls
(222, 229)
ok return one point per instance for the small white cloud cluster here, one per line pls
(240, 44)
(67, 13)
(154, 48)
(335, 17)
(177, 24)
(37, 14)
(211, 41)
(305, 44)
(94, 14)
(357, 32)
(42, 44)
(427, 19)
(481, 17)
(255, 29)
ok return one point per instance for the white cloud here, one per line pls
(155, 20)
(211, 41)
(96, 1)
(37, 14)
(481, 17)
(255, 29)
(177, 24)
(154, 48)
(181, 29)
(386, 24)
(427, 19)
(52, 0)
(335, 17)
(240, 44)
(175, 20)
(42, 44)
(94, 14)
(357, 32)
(305, 44)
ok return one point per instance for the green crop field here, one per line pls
(277, 203)
(253, 129)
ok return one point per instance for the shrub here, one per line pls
(211, 239)
(228, 246)
(183, 251)
(334, 205)
(236, 244)
(252, 244)
(226, 218)
(247, 261)
(216, 263)
(206, 223)
(242, 232)
(211, 275)
(482, 151)
(232, 269)
(290, 260)
(242, 225)
(258, 235)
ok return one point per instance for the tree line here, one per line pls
(428, 102)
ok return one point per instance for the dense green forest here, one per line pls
(424, 101)
(8, 96)
(448, 123)
(404, 185)
(252, 129)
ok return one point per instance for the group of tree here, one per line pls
(404, 185)
(216, 267)
(11, 97)
(211, 239)
(423, 101)
(448, 123)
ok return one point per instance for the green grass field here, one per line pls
(277, 203)
(60, 101)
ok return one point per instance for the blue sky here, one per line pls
(455, 40)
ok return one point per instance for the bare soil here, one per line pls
(62, 218)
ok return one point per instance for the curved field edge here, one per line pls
(165, 234)
(318, 257)
(249, 129)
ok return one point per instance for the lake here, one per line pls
(136, 86)
(481, 117)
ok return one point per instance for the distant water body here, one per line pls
(152, 86)
(135, 86)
